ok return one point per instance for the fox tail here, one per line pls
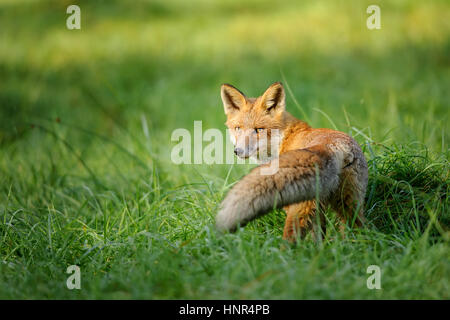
(294, 181)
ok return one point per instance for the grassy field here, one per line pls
(86, 118)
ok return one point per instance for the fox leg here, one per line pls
(349, 202)
(300, 220)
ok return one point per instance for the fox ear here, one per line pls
(274, 98)
(232, 98)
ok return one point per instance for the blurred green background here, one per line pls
(86, 118)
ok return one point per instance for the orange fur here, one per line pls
(302, 150)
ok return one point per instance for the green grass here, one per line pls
(85, 123)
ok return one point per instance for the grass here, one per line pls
(85, 123)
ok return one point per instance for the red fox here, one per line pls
(303, 152)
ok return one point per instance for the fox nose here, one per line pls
(238, 151)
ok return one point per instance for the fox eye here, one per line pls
(237, 128)
(259, 130)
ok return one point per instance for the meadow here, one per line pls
(86, 118)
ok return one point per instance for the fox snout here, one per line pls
(239, 152)
(243, 152)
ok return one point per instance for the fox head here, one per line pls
(255, 124)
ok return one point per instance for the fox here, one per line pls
(314, 165)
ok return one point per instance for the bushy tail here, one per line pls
(294, 181)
